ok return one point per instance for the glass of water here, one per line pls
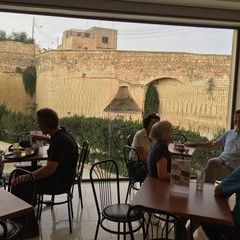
(199, 181)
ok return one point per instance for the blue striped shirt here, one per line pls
(230, 185)
(231, 153)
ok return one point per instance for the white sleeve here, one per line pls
(137, 140)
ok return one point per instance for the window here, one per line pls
(105, 40)
(87, 35)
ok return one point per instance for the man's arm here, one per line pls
(40, 138)
(210, 144)
(141, 153)
(229, 185)
(43, 172)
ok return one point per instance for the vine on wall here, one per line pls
(30, 79)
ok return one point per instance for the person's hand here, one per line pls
(218, 191)
(35, 137)
(190, 144)
(21, 179)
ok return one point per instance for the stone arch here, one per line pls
(164, 81)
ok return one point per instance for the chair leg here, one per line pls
(97, 228)
(69, 216)
(128, 191)
(118, 231)
(80, 193)
(124, 231)
(71, 205)
(41, 204)
(52, 201)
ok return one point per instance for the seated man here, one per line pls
(229, 185)
(59, 171)
(219, 167)
(141, 141)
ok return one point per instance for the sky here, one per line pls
(48, 33)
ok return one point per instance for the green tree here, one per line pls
(151, 104)
(30, 80)
(18, 36)
(2, 35)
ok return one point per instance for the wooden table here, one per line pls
(11, 206)
(187, 153)
(196, 205)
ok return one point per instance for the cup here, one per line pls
(199, 181)
(28, 151)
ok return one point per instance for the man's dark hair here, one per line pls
(237, 111)
(147, 119)
(49, 117)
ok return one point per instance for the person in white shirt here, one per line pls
(141, 141)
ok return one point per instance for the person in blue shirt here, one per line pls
(219, 167)
(229, 186)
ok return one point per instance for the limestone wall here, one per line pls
(12, 93)
(12, 55)
(192, 88)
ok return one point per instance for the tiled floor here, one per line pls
(54, 224)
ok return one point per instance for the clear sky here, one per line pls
(131, 36)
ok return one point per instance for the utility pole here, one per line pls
(33, 26)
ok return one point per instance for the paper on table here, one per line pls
(180, 175)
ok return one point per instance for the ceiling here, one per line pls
(214, 13)
(218, 4)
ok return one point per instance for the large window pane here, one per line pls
(102, 76)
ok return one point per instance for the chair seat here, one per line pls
(118, 213)
(12, 229)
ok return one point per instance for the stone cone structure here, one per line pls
(123, 103)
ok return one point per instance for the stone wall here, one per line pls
(13, 55)
(192, 88)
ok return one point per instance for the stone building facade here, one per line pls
(193, 88)
(14, 55)
(92, 39)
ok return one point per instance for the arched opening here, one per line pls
(151, 104)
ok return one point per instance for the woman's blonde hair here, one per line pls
(161, 131)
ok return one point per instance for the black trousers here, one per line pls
(219, 232)
(28, 192)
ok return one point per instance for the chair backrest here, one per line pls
(83, 156)
(132, 162)
(129, 140)
(23, 139)
(179, 138)
(3, 230)
(104, 177)
(158, 224)
(130, 154)
(30, 197)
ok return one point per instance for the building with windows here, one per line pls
(95, 38)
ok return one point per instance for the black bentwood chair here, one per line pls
(137, 170)
(104, 178)
(9, 230)
(83, 156)
(65, 190)
(157, 224)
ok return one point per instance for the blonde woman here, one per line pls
(159, 158)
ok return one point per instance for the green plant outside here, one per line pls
(151, 104)
(30, 80)
(106, 137)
